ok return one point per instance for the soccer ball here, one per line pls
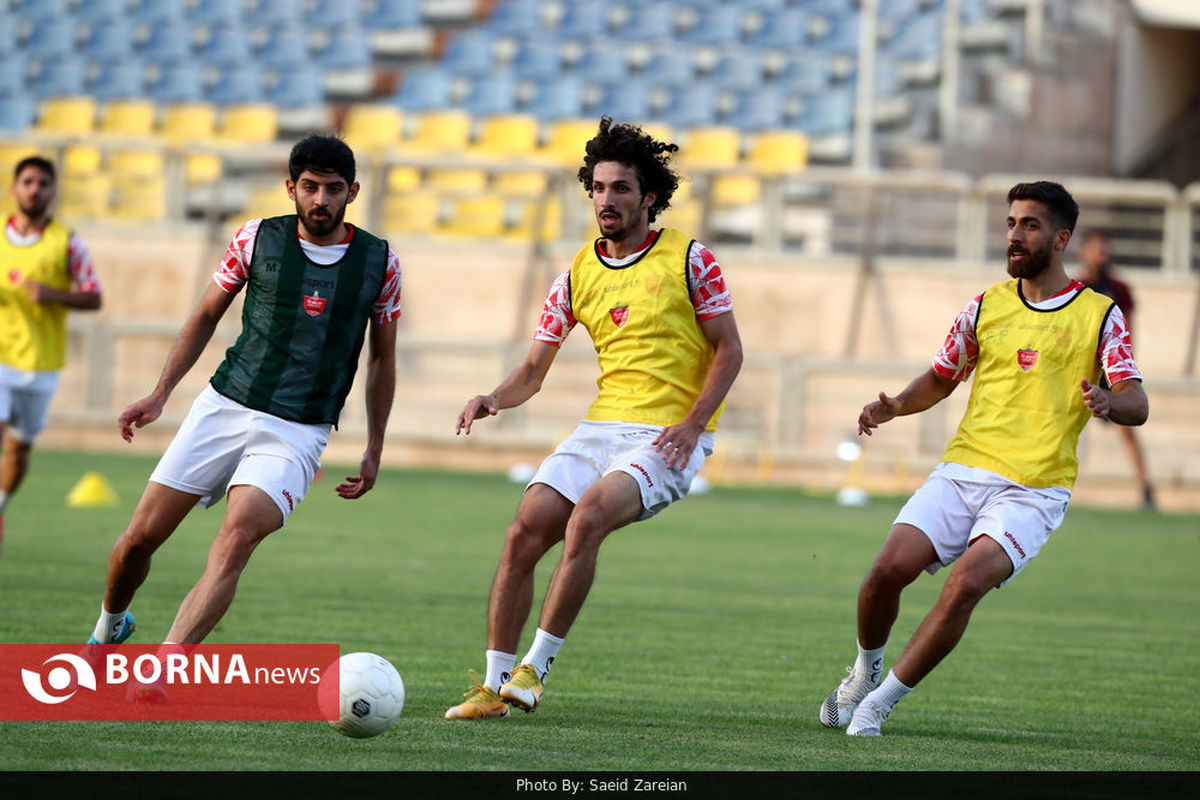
(370, 695)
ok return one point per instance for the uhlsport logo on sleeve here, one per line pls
(166, 682)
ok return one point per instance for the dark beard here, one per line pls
(1035, 264)
(320, 228)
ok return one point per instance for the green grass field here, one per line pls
(710, 638)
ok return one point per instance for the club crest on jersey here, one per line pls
(619, 315)
(1026, 359)
(14, 276)
(314, 304)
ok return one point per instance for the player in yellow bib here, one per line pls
(661, 320)
(1037, 345)
(45, 270)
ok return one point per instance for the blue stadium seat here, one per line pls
(917, 38)
(109, 39)
(272, 13)
(626, 101)
(805, 72)
(102, 10)
(829, 112)
(562, 98)
(492, 93)
(286, 46)
(717, 25)
(390, 14)
(154, 11)
(215, 12)
(8, 33)
(52, 38)
(227, 44)
(585, 19)
(670, 67)
(741, 69)
(516, 17)
(41, 10)
(651, 22)
(16, 113)
(760, 109)
(537, 61)
(169, 41)
(602, 65)
(348, 48)
(12, 74)
(298, 86)
(120, 80)
(470, 53)
(178, 82)
(842, 38)
(238, 84)
(693, 105)
(333, 13)
(785, 29)
(61, 77)
(424, 88)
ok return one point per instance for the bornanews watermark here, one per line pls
(167, 682)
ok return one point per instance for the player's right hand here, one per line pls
(477, 407)
(876, 413)
(139, 415)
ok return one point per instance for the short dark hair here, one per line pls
(322, 154)
(628, 145)
(43, 164)
(1064, 211)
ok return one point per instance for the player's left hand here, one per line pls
(1095, 398)
(677, 443)
(355, 486)
(36, 292)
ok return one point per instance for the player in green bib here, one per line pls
(660, 318)
(316, 288)
(1037, 345)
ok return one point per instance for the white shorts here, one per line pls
(596, 449)
(223, 443)
(24, 400)
(952, 513)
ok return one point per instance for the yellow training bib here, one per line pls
(34, 334)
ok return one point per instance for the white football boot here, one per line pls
(839, 706)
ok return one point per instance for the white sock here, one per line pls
(108, 625)
(499, 669)
(890, 692)
(542, 652)
(4, 498)
(870, 662)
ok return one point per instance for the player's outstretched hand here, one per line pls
(876, 413)
(1095, 398)
(478, 407)
(355, 486)
(139, 415)
(676, 444)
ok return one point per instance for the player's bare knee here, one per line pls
(524, 544)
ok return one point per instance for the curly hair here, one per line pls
(628, 145)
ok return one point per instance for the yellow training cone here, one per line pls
(92, 491)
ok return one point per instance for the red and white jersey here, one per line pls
(706, 285)
(79, 259)
(960, 352)
(235, 267)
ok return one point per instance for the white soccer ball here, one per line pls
(370, 695)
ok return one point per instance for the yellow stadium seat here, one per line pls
(139, 186)
(253, 122)
(85, 196)
(775, 153)
(524, 183)
(138, 163)
(506, 135)
(203, 167)
(403, 179)
(735, 190)
(476, 216)
(128, 118)
(685, 215)
(269, 201)
(711, 147)
(448, 130)
(67, 115)
(81, 159)
(458, 180)
(412, 212)
(188, 123)
(372, 126)
(540, 217)
(567, 139)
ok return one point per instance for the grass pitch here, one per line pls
(711, 635)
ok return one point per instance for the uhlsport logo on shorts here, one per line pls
(165, 682)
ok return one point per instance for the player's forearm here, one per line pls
(185, 352)
(726, 364)
(1128, 404)
(381, 390)
(78, 301)
(925, 391)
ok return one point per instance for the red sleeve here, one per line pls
(960, 352)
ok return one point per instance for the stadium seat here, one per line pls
(447, 130)
(561, 98)
(139, 189)
(650, 22)
(416, 211)
(272, 14)
(177, 83)
(423, 89)
(804, 72)
(778, 152)
(41, 10)
(168, 41)
(693, 105)
(539, 218)
(12, 152)
(402, 179)
(537, 61)
(61, 76)
(67, 115)
(132, 117)
(285, 46)
(188, 123)
(566, 140)
(109, 39)
(154, 11)
(228, 44)
(784, 29)
(506, 136)
(520, 183)
(741, 70)
(371, 126)
(268, 201)
(626, 101)
(516, 18)
(602, 65)
(334, 13)
(477, 216)
(470, 53)
(250, 122)
(457, 180)
(16, 113)
(670, 67)
(492, 93)
(390, 14)
(716, 25)
(12, 73)
(759, 109)
(238, 83)
(712, 147)
(84, 196)
(296, 87)
(120, 80)
(584, 19)
(8, 35)
(214, 12)
(348, 48)
(81, 159)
